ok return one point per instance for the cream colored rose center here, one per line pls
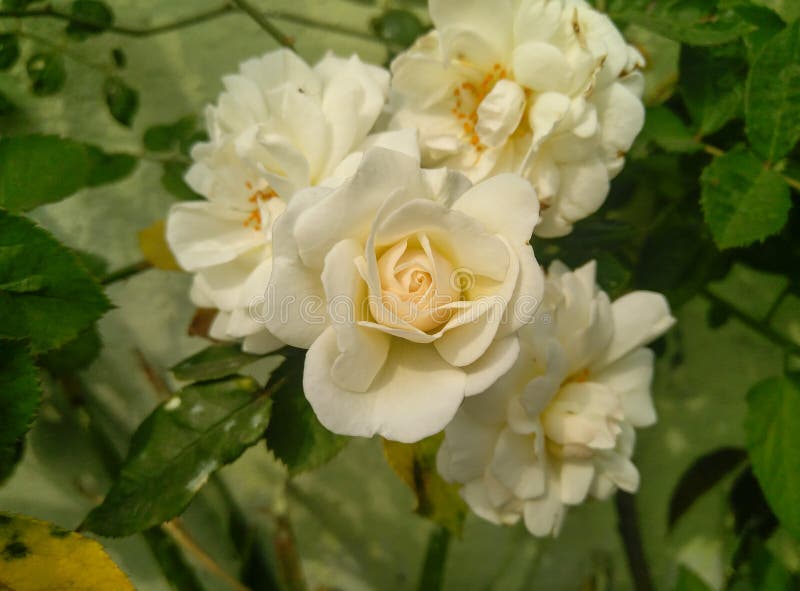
(417, 284)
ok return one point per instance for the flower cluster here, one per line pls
(401, 259)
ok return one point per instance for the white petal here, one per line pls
(492, 22)
(631, 377)
(584, 188)
(515, 465)
(466, 449)
(495, 362)
(202, 234)
(576, 478)
(639, 318)
(261, 343)
(415, 395)
(500, 112)
(541, 67)
(362, 351)
(505, 204)
(621, 117)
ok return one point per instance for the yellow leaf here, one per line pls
(415, 464)
(153, 244)
(39, 556)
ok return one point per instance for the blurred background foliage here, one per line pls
(702, 212)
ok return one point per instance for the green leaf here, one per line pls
(75, 355)
(7, 107)
(398, 27)
(121, 99)
(704, 473)
(163, 138)
(415, 464)
(68, 301)
(17, 4)
(175, 450)
(295, 435)
(47, 73)
(107, 168)
(712, 85)
(9, 50)
(38, 555)
(767, 23)
(688, 581)
(19, 399)
(773, 441)
(694, 22)
(772, 99)
(612, 274)
(661, 68)
(172, 181)
(665, 129)
(742, 200)
(216, 361)
(89, 17)
(40, 169)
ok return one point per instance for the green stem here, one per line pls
(628, 525)
(432, 575)
(257, 16)
(297, 19)
(756, 325)
(126, 272)
(775, 305)
(76, 57)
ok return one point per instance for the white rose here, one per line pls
(547, 89)
(408, 286)
(279, 126)
(559, 427)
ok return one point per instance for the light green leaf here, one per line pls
(214, 362)
(67, 301)
(19, 399)
(40, 169)
(175, 450)
(772, 99)
(665, 129)
(38, 555)
(415, 464)
(661, 67)
(694, 22)
(742, 200)
(773, 441)
(295, 435)
(712, 85)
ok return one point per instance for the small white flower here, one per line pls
(408, 286)
(279, 126)
(544, 88)
(559, 427)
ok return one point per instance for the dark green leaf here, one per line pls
(68, 301)
(216, 361)
(294, 434)
(47, 73)
(17, 4)
(172, 181)
(6, 106)
(175, 450)
(704, 473)
(75, 355)
(96, 265)
(40, 169)
(89, 17)
(415, 464)
(694, 22)
(773, 441)
(742, 200)
(688, 581)
(767, 23)
(751, 513)
(772, 99)
(398, 27)
(717, 315)
(119, 57)
(9, 50)
(108, 168)
(712, 85)
(612, 274)
(666, 130)
(163, 138)
(121, 99)
(19, 399)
